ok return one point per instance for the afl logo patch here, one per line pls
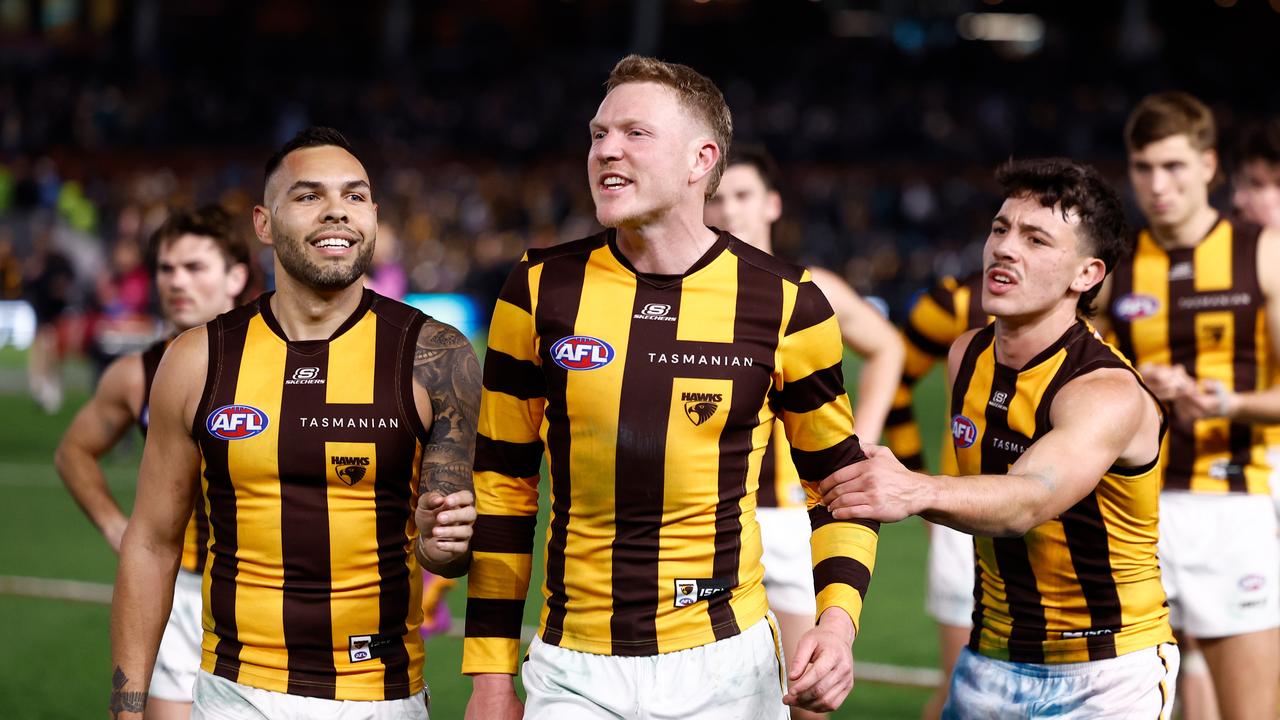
(963, 431)
(581, 352)
(236, 422)
(1135, 306)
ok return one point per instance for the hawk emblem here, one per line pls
(700, 412)
(351, 474)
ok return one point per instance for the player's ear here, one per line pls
(773, 206)
(705, 158)
(262, 224)
(237, 278)
(1210, 159)
(1092, 272)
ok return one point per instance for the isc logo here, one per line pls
(581, 352)
(963, 431)
(236, 422)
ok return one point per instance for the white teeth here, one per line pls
(614, 182)
(333, 243)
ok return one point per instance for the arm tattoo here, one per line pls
(122, 700)
(446, 367)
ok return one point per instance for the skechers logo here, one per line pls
(654, 311)
(349, 468)
(581, 352)
(963, 431)
(1135, 306)
(236, 422)
(305, 376)
(699, 407)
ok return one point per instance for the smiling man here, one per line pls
(328, 433)
(1058, 442)
(649, 363)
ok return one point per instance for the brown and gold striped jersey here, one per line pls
(1086, 584)
(1201, 308)
(939, 316)
(196, 537)
(654, 398)
(310, 462)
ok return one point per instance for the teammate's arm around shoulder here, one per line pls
(869, 334)
(446, 389)
(97, 427)
(152, 547)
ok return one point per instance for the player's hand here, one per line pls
(878, 488)
(445, 524)
(493, 697)
(820, 676)
(1208, 399)
(1167, 382)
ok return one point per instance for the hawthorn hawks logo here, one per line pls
(350, 469)
(236, 422)
(699, 407)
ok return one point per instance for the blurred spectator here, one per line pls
(49, 279)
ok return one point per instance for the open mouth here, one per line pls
(333, 244)
(611, 182)
(1000, 280)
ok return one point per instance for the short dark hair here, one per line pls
(1258, 141)
(314, 136)
(1073, 186)
(696, 92)
(760, 159)
(210, 221)
(1166, 114)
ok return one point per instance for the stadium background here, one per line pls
(887, 117)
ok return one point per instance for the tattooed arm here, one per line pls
(446, 389)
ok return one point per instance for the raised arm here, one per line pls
(446, 389)
(1056, 472)
(97, 427)
(869, 334)
(168, 483)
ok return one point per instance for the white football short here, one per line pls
(1220, 561)
(1273, 459)
(179, 657)
(738, 678)
(1135, 685)
(788, 561)
(221, 699)
(950, 596)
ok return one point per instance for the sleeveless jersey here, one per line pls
(196, 538)
(1201, 308)
(1086, 584)
(310, 463)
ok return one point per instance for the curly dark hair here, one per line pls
(1075, 187)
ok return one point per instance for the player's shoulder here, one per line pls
(763, 261)
(398, 314)
(582, 246)
(123, 378)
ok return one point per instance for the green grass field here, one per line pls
(56, 658)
